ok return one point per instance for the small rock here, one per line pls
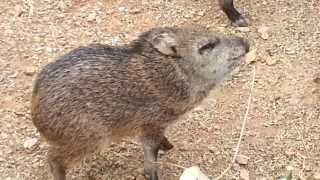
(123, 9)
(242, 160)
(244, 174)
(18, 11)
(92, 17)
(30, 143)
(201, 13)
(49, 49)
(115, 40)
(193, 173)
(289, 152)
(289, 168)
(282, 178)
(316, 78)
(290, 51)
(316, 176)
(4, 135)
(30, 71)
(198, 109)
(140, 177)
(243, 29)
(263, 32)
(236, 167)
(140, 171)
(308, 168)
(214, 150)
(251, 56)
(62, 5)
(269, 61)
(135, 11)
(13, 75)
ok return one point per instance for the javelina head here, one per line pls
(204, 54)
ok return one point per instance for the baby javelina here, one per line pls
(98, 94)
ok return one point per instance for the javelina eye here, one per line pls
(209, 46)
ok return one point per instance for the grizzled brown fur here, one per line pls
(99, 94)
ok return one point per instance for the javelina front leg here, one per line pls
(57, 170)
(235, 17)
(153, 140)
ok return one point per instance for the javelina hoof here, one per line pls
(151, 176)
(57, 170)
(240, 21)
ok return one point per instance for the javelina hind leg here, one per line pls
(63, 157)
(153, 140)
(235, 17)
(57, 164)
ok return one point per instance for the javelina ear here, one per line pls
(165, 43)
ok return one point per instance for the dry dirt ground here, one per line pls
(283, 132)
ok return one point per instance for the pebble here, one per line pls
(251, 56)
(92, 17)
(243, 29)
(201, 13)
(115, 40)
(18, 11)
(244, 174)
(29, 71)
(316, 78)
(289, 168)
(290, 51)
(123, 9)
(270, 61)
(308, 168)
(316, 176)
(242, 160)
(140, 177)
(236, 167)
(263, 32)
(4, 135)
(135, 11)
(30, 143)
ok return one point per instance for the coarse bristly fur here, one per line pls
(99, 94)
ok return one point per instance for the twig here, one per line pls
(242, 128)
(30, 4)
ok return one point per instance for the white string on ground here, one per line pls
(242, 128)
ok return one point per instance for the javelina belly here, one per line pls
(97, 94)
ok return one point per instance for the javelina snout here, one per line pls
(98, 94)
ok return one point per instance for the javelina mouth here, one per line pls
(236, 63)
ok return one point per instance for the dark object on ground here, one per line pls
(233, 14)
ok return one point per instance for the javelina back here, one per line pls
(98, 94)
